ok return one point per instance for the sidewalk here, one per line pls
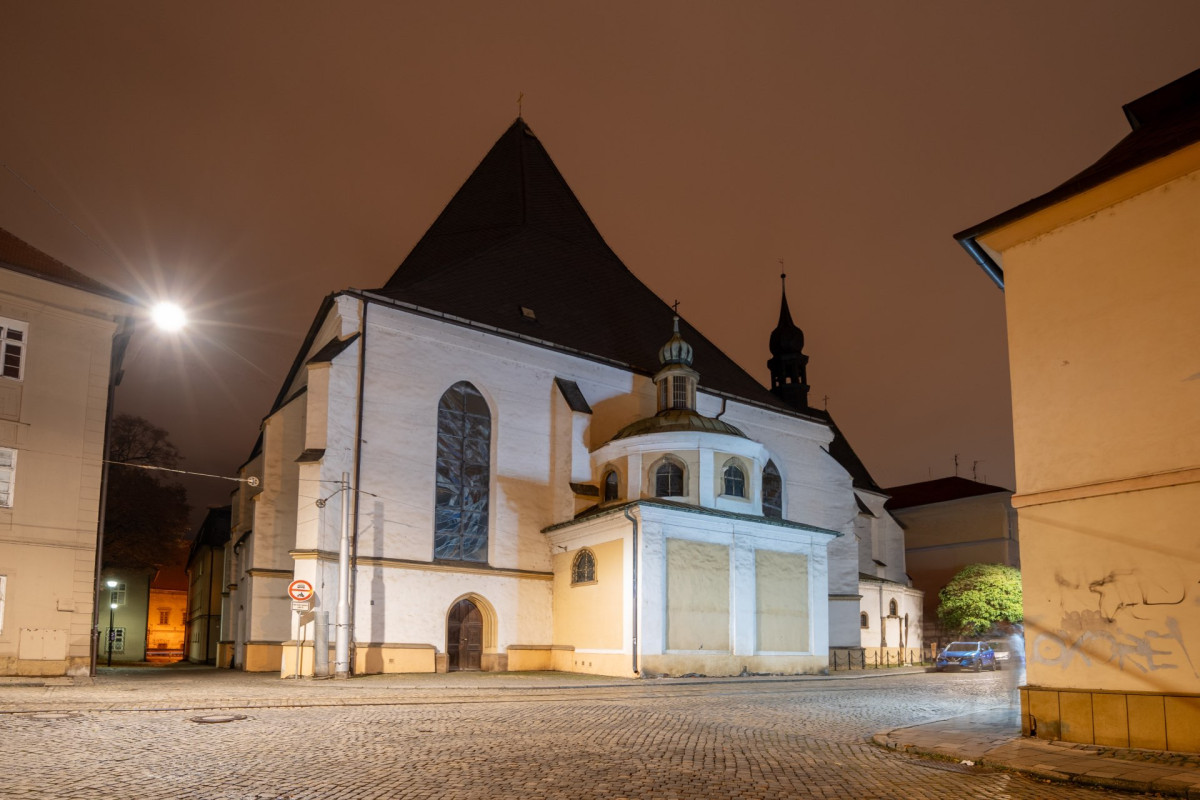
(993, 738)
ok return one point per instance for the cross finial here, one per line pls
(520, 97)
(826, 402)
(782, 272)
(676, 307)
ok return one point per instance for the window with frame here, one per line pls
(864, 621)
(892, 609)
(668, 480)
(464, 438)
(772, 492)
(116, 639)
(733, 481)
(164, 617)
(583, 568)
(116, 594)
(14, 336)
(679, 392)
(8, 474)
(611, 486)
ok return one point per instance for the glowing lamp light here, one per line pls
(169, 317)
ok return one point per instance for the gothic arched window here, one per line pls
(464, 437)
(668, 479)
(733, 481)
(611, 486)
(583, 568)
(892, 610)
(772, 492)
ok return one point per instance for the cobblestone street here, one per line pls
(489, 738)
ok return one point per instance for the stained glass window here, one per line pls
(772, 492)
(460, 527)
(583, 568)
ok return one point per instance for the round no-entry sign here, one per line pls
(300, 590)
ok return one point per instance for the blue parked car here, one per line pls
(967, 655)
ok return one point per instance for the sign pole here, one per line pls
(342, 642)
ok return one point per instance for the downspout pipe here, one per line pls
(358, 432)
(634, 575)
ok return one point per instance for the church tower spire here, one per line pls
(788, 364)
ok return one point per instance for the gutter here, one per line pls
(634, 574)
(976, 251)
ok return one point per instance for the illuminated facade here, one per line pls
(1101, 291)
(57, 331)
(552, 470)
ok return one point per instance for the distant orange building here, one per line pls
(166, 619)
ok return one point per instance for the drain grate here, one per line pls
(213, 719)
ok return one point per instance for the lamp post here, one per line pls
(112, 609)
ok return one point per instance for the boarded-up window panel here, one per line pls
(697, 596)
(782, 601)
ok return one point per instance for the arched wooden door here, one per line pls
(464, 636)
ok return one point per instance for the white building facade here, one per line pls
(531, 488)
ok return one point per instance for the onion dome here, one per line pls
(676, 350)
(786, 339)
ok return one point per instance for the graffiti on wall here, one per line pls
(1124, 619)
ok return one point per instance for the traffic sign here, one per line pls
(300, 590)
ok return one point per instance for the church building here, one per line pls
(539, 464)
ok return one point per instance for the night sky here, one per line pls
(249, 158)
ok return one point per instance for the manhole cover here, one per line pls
(212, 719)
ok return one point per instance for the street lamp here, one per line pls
(112, 608)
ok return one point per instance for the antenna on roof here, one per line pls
(956, 465)
(520, 97)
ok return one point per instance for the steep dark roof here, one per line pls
(20, 256)
(1163, 121)
(213, 531)
(939, 490)
(515, 236)
(841, 450)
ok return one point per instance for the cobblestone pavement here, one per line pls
(561, 737)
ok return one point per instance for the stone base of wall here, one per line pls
(1113, 719)
(77, 666)
(727, 665)
(263, 656)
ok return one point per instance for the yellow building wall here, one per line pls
(1103, 327)
(587, 616)
(697, 596)
(782, 601)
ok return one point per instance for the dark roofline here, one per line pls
(69, 276)
(596, 512)
(1163, 122)
(938, 490)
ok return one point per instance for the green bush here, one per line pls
(979, 597)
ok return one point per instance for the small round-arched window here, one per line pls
(863, 620)
(733, 481)
(668, 479)
(611, 482)
(772, 492)
(892, 609)
(583, 568)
